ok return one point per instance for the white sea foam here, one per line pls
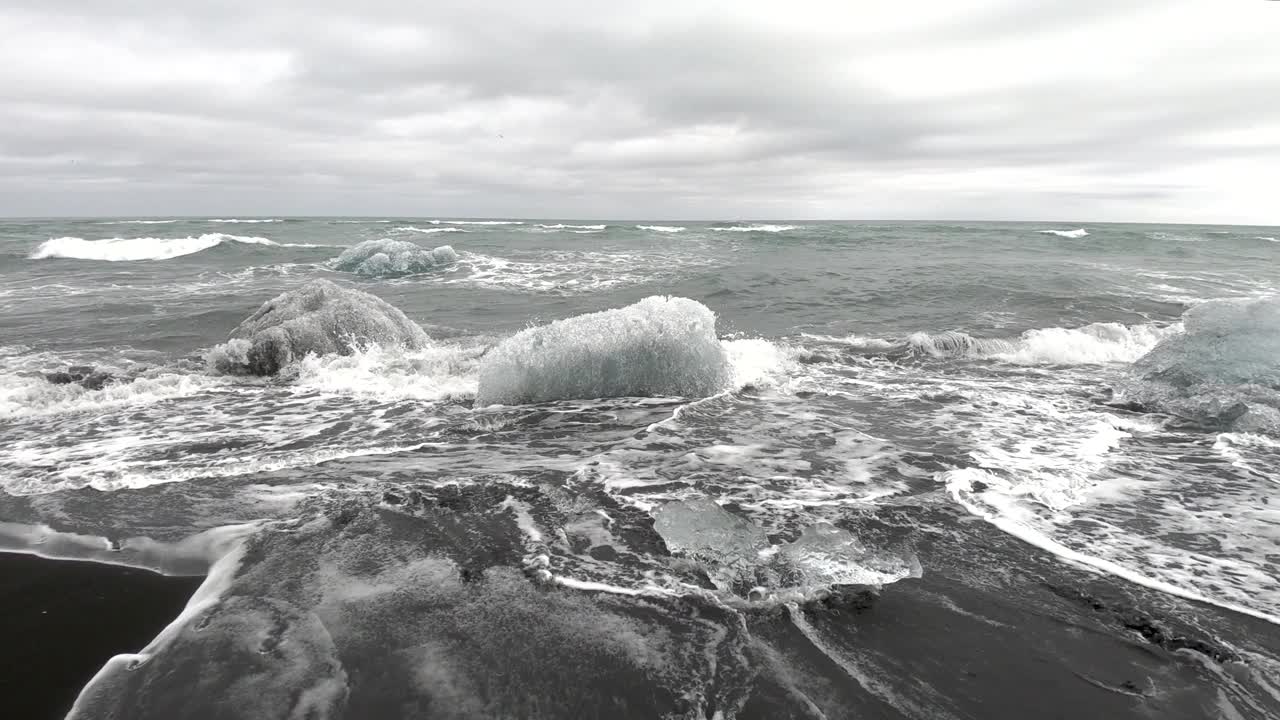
(756, 362)
(1267, 238)
(660, 346)
(1002, 512)
(428, 231)
(147, 248)
(436, 372)
(1077, 233)
(572, 272)
(562, 226)
(757, 228)
(251, 221)
(138, 222)
(1243, 449)
(27, 396)
(856, 341)
(478, 222)
(1175, 237)
(661, 228)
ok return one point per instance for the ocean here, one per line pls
(874, 469)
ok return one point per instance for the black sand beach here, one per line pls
(62, 620)
(994, 630)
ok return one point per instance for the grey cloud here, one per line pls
(562, 107)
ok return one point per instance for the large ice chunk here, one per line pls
(1223, 370)
(658, 346)
(389, 258)
(319, 318)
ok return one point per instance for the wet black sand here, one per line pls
(995, 630)
(61, 620)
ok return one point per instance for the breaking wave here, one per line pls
(252, 221)
(138, 222)
(390, 258)
(478, 222)
(1092, 344)
(428, 231)
(31, 396)
(661, 228)
(757, 228)
(562, 226)
(660, 346)
(1077, 233)
(146, 248)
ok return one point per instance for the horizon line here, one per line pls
(233, 216)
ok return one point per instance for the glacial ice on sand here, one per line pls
(727, 546)
(737, 556)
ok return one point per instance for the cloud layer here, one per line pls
(996, 109)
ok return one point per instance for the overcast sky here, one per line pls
(1144, 110)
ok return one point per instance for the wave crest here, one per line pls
(427, 231)
(133, 249)
(764, 228)
(563, 226)
(1077, 233)
(478, 222)
(1092, 344)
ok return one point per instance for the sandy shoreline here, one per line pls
(63, 619)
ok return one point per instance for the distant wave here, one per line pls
(1077, 233)
(238, 220)
(562, 226)
(147, 248)
(428, 231)
(1174, 237)
(757, 228)
(359, 222)
(1268, 239)
(477, 222)
(661, 228)
(137, 222)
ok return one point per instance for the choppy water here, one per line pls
(984, 366)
